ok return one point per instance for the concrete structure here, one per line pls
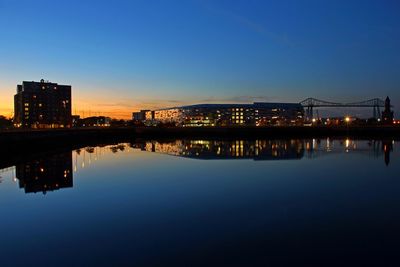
(139, 116)
(42, 105)
(256, 114)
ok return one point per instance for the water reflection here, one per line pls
(228, 149)
(54, 172)
(387, 147)
(268, 149)
(45, 174)
(134, 205)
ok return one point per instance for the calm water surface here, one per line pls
(205, 203)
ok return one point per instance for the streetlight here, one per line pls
(347, 120)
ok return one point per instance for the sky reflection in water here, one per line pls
(201, 202)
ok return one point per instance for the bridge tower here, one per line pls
(387, 114)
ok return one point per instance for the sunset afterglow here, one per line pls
(129, 55)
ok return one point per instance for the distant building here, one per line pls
(139, 116)
(42, 105)
(99, 121)
(75, 120)
(256, 114)
(387, 114)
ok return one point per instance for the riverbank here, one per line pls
(36, 139)
(356, 132)
(19, 145)
(17, 139)
(54, 137)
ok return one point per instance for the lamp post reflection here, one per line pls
(387, 146)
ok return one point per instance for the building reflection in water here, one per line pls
(46, 174)
(267, 149)
(228, 149)
(55, 172)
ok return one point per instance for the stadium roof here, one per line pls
(225, 106)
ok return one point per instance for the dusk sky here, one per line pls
(122, 56)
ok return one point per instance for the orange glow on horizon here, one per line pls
(98, 107)
(95, 100)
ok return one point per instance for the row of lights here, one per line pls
(346, 119)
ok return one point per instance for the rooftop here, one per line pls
(227, 106)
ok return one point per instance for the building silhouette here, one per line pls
(46, 174)
(96, 121)
(139, 116)
(42, 105)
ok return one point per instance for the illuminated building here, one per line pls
(278, 114)
(387, 114)
(42, 105)
(256, 114)
(46, 174)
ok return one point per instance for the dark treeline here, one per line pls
(5, 123)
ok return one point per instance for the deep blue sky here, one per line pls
(124, 55)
